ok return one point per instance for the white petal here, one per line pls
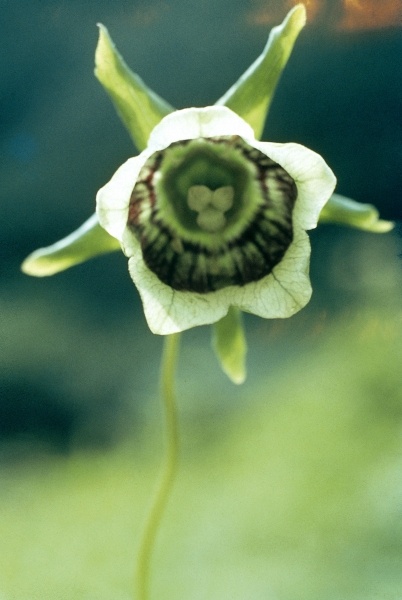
(113, 199)
(170, 311)
(191, 123)
(314, 179)
(283, 292)
(279, 295)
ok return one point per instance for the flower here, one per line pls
(212, 218)
(213, 221)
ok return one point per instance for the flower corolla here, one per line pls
(211, 218)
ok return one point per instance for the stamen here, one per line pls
(210, 206)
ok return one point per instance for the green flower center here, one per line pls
(212, 212)
(210, 205)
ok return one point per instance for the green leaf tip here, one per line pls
(344, 211)
(229, 344)
(137, 105)
(251, 96)
(86, 242)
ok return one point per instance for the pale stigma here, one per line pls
(210, 205)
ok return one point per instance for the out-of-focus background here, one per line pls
(290, 485)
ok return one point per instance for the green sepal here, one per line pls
(86, 242)
(230, 346)
(139, 107)
(344, 211)
(251, 96)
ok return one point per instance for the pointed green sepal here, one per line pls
(139, 107)
(251, 96)
(229, 344)
(344, 211)
(86, 242)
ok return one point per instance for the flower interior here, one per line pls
(212, 212)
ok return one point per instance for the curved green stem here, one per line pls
(168, 367)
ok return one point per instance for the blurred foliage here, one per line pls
(289, 486)
(294, 491)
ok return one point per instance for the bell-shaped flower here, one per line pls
(213, 221)
(212, 218)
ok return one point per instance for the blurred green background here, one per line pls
(290, 486)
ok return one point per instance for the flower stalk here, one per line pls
(169, 468)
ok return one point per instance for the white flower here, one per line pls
(210, 218)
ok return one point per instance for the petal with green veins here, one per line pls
(251, 96)
(230, 345)
(138, 106)
(88, 241)
(344, 211)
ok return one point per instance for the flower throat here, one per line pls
(212, 212)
